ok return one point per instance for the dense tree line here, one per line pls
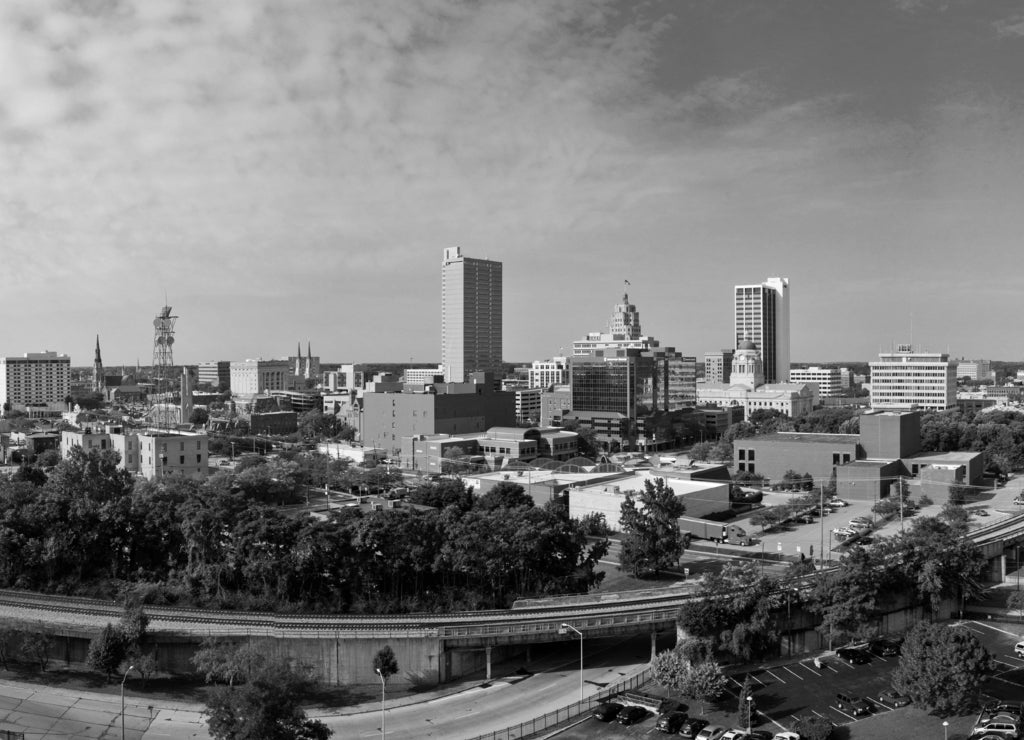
(91, 528)
(999, 434)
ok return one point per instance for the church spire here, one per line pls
(97, 368)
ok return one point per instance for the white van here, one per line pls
(1018, 649)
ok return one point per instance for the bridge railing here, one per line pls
(559, 717)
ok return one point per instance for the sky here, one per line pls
(284, 172)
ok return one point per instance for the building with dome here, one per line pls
(747, 387)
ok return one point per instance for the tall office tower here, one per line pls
(470, 316)
(762, 317)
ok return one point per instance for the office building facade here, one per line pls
(828, 379)
(718, 366)
(471, 316)
(37, 383)
(761, 315)
(906, 380)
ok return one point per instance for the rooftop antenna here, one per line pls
(911, 332)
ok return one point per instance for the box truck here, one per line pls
(715, 531)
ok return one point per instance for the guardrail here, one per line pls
(561, 716)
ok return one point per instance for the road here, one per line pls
(552, 682)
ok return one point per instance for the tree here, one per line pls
(671, 668)
(226, 662)
(8, 637)
(443, 493)
(701, 452)
(813, 727)
(505, 494)
(745, 703)
(265, 707)
(35, 647)
(199, 416)
(705, 682)
(384, 663)
(942, 667)
(106, 651)
(454, 461)
(958, 493)
(653, 540)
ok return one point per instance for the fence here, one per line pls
(11, 735)
(561, 716)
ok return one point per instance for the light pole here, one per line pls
(945, 730)
(750, 711)
(383, 733)
(565, 629)
(130, 669)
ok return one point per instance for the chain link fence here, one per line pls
(564, 715)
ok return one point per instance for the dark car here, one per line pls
(853, 656)
(691, 727)
(631, 714)
(606, 712)
(761, 735)
(671, 705)
(852, 705)
(885, 648)
(894, 698)
(1003, 707)
(670, 722)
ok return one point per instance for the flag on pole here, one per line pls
(627, 282)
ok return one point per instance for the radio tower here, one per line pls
(163, 347)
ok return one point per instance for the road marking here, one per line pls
(1014, 635)
(843, 713)
(809, 668)
(793, 672)
(758, 679)
(775, 677)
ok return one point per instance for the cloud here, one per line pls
(1011, 27)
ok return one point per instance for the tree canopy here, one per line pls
(653, 540)
(942, 667)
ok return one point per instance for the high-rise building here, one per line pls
(37, 383)
(470, 316)
(975, 370)
(828, 379)
(905, 380)
(545, 373)
(718, 366)
(762, 317)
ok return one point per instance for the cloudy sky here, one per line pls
(291, 171)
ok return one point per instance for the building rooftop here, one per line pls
(809, 437)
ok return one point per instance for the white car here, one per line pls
(844, 531)
(786, 736)
(836, 502)
(1018, 649)
(735, 735)
(711, 732)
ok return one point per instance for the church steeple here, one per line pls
(97, 368)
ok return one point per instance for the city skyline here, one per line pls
(282, 175)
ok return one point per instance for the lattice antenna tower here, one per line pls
(163, 347)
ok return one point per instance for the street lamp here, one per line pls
(945, 730)
(130, 669)
(564, 629)
(382, 685)
(750, 711)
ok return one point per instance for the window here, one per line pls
(743, 456)
(750, 456)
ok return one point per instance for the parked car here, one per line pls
(736, 734)
(670, 722)
(894, 698)
(860, 521)
(1018, 501)
(711, 732)
(994, 708)
(1005, 725)
(853, 656)
(837, 502)
(843, 531)
(631, 714)
(760, 735)
(606, 712)
(852, 705)
(885, 648)
(786, 735)
(691, 727)
(1018, 649)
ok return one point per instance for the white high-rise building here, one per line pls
(545, 373)
(905, 379)
(36, 383)
(761, 315)
(470, 316)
